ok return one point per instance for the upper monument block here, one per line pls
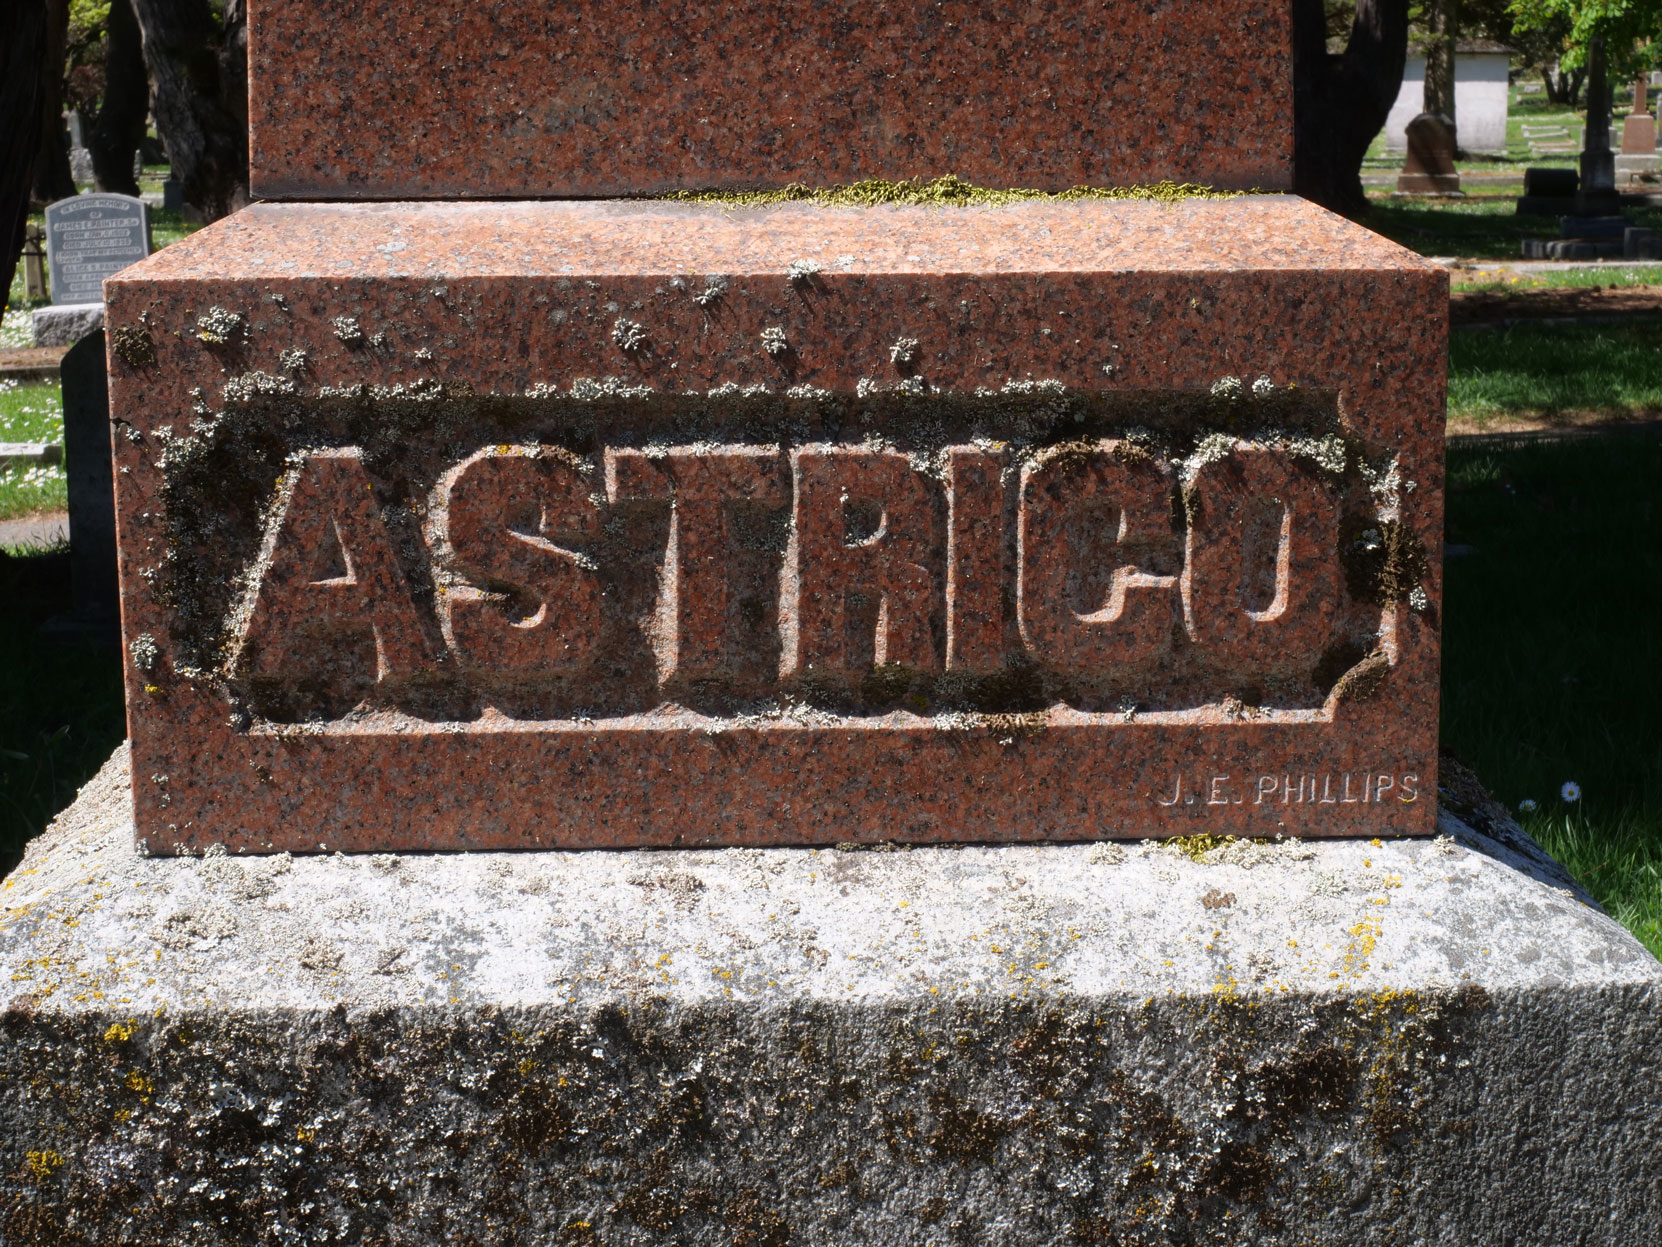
(577, 98)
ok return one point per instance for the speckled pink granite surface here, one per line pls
(342, 415)
(458, 99)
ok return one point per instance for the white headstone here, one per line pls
(1481, 102)
(90, 237)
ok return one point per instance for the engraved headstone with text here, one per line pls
(91, 237)
(594, 524)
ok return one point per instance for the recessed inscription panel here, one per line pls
(1144, 564)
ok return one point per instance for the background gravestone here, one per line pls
(86, 420)
(1429, 168)
(88, 238)
(1638, 154)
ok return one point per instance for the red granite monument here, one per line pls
(452, 99)
(587, 522)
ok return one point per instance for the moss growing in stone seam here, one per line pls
(948, 191)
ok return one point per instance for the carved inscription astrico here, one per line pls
(1071, 560)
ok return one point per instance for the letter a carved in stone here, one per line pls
(536, 606)
(328, 582)
(862, 546)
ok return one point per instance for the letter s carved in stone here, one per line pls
(533, 605)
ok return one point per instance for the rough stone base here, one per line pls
(1630, 166)
(65, 324)
(1341, 1042)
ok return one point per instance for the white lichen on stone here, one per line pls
(715, 286)
(587, 389)
(218, 326)
(1030, 386)
(1327, 453)
(293, 359)
(145, 651)
(348, 330)
(904, 351)
(630, 335)
(798, 271)
(773, 340)
(1213, 448)
(248, 385)
(1230, 389)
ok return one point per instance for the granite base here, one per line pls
(1334, 1042)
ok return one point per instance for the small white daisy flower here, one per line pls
(1570, 792)
(1528, 805)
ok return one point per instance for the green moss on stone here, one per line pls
(949, 190)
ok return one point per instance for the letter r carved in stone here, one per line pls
(862, 541)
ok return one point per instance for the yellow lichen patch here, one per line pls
(304, 1135)
(1196, 847)
(120, 1032)
(42, 1163)
(1364, 936)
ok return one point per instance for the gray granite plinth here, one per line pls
(65, 324)
(1343, 1042)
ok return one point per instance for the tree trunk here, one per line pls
(119, 130)
(53, 179)
(1564, 86)
(22, 61)
(1440, 19)
(1340, 102)
(198, 72)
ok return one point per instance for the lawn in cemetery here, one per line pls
(31, 413)
(1552, 661)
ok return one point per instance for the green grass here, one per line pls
(1501, 281)
(1552, 658)
(1615, 370)
(60, 702)
(31, 413)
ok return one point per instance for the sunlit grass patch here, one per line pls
(31, 413)
(1552, 660)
